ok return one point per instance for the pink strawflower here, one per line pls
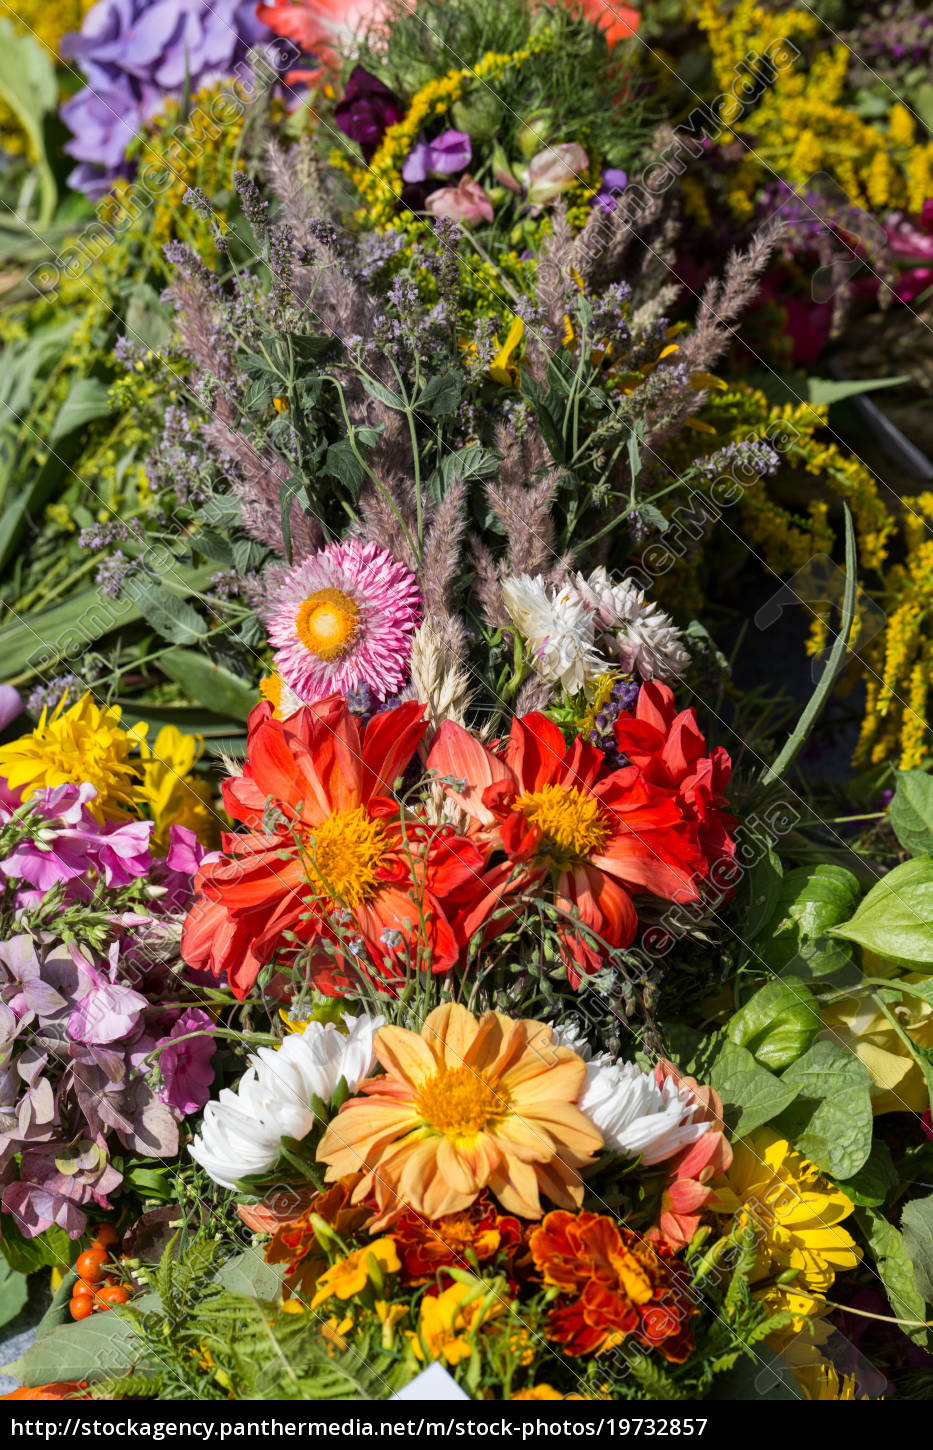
(343, 618)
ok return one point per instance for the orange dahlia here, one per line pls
(465, 1105)
(612, 1285)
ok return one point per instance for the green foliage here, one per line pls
(777, 1024)
(912, 811)
(830, 1120)
(895, 919)
(808, 901)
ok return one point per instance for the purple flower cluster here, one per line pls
(92, 1055)
(136, 53)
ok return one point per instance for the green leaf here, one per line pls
(912, 811)
(893, 1264)
(829, 390)
(52, 1249)
(761, 888)
(831, 1121)
(777, 1024)
(810, 899)
(831, 671)
(873, 1182)
(212, 685)
(895, 919)
(14, 1291)
(173, 618)
(376, 390)
(917, 1230)
(92, 1349)
(29, 86)
(86, 401)
(249, 1274)
(440, 395)
(751, 1095)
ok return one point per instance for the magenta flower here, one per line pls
(343, 618)
(11, 705)
(450, 153)
(467, 202)
(70, 844)
(186, 1069)
(367, 110)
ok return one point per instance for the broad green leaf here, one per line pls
(917, 1230)
(762, 887)
(171, 617)
(88, 399)
(213, 686)
(895, 919)
(873, 1182)
(831, 1120)
(52, 1249)
(249, 1274)
(777, 1024)
(893, 1264)
(105, 1344)
(912, 811)
(14, 1291)
(809, 901)
(751, 1095)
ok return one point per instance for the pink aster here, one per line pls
(344, 618)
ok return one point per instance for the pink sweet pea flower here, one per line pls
(466, 202)
(553, 171)
(11, 705)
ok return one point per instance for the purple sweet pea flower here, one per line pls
(367, 110)
(136, 53)
(613, 182)
(186, 1069)
(11, 705)
(450, 153)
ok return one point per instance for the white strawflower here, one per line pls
(241, 1132)
(636, 1116)
(558, 629)
(646, 641)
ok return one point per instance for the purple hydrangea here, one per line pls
(135, 54)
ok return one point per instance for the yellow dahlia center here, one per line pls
(458, 1101)
(327, 623)
(572, 822)
(343, 854)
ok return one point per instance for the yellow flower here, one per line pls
(451, 1320)
(796, 1215)
(350, 1275)
(167, 796)
(389, 1315)
(83, 743)
(502, 369)
(543, 1392)
(898, 1084)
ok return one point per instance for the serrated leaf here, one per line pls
(441, 395)
(376, 390)
(893, 1264)
(171, 617)
(873, 1182)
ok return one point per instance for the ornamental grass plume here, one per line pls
(465, 1105)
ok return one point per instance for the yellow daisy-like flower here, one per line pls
(350, 1275)
(796, 1215)
(451, 1320)
(543, 1392)
(167, 796)
(86, 742)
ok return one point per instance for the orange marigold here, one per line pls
(613, 1285)
(453, 1240)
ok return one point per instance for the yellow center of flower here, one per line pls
(572, 822)
(327, 623)
(343, 854)
(457, 1101)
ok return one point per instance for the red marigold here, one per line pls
(424, 1246)
(595, 835)
(670, 750)
(613, 1285)
(327, 844)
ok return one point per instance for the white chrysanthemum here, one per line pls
(636, 1116)
(241, 1132)
(646, 641)
(558, 629)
